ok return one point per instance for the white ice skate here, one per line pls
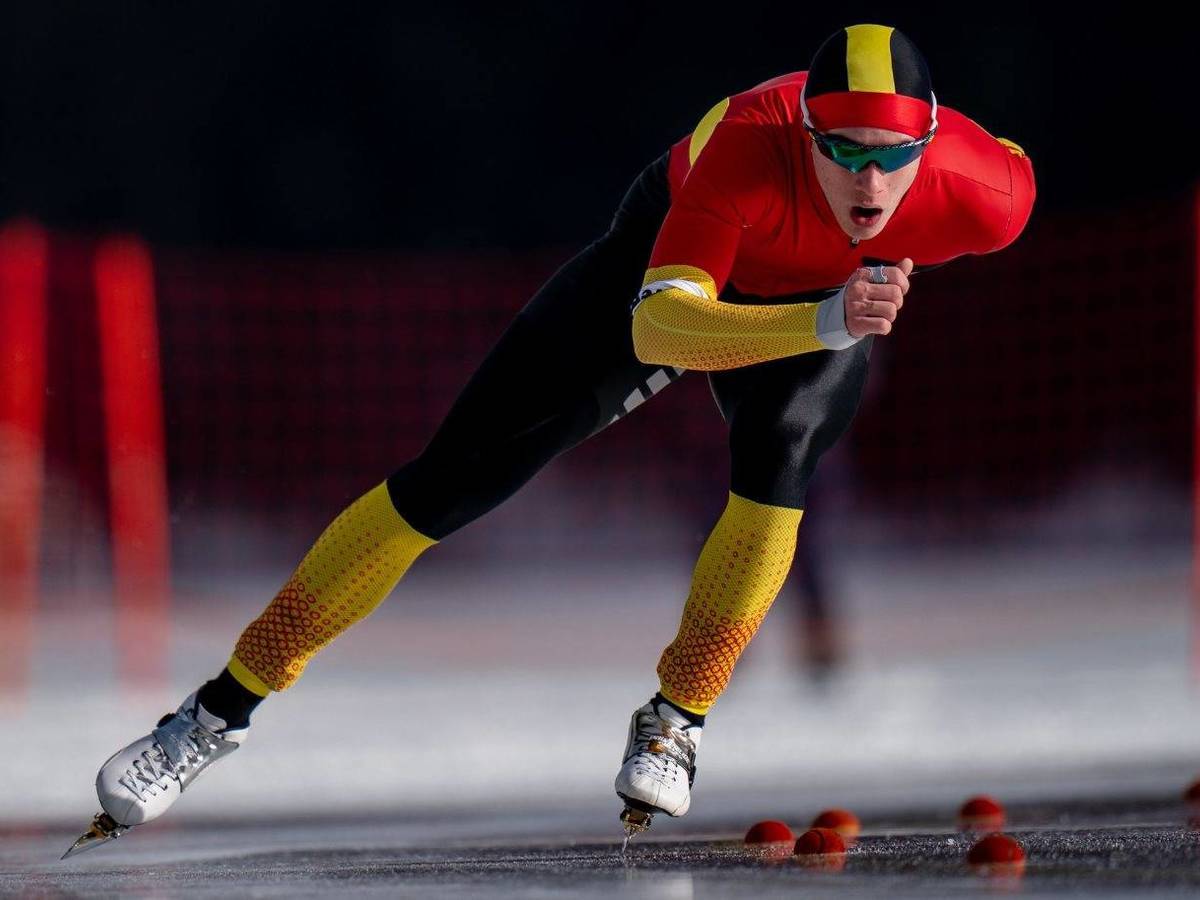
(140, 782)
(658, 767)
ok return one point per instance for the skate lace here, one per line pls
(149, 773)
(154, 770)
(661, 751)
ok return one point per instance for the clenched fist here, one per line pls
(872, 308)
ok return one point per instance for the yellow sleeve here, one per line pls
(678, 321)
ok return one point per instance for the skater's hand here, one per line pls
(872, 308)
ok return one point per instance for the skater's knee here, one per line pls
(775, 453)
(454, 482)
(782, 482)
(771, 455)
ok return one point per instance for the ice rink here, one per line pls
(1130, 848)
(463, 741)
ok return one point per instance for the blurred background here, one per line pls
(251, 253)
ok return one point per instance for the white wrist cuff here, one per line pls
(831, 323)
(654, 287)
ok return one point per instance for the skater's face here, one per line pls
(864, 201)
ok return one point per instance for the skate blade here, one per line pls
(635, 821)
(104, 829)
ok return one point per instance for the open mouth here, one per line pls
(865, 216)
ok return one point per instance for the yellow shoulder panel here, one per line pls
(705, 129)
(1014, 149)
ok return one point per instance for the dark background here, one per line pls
(377, 125)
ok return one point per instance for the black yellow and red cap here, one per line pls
(869, 76)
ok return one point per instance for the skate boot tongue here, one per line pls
(191, 707)
(208, 720)
(677, 720)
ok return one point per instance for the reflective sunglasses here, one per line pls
(856, 157)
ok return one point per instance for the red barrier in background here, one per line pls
(23, 252)
(132, 400)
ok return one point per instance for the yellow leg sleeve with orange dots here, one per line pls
(351, 568)
(741, 568)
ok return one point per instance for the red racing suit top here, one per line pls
(747, 210)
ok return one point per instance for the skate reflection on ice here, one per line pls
(663, 886)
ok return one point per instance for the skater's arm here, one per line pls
(678, 319)
(680, 322)
(691, 329)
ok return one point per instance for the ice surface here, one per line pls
(474, 689)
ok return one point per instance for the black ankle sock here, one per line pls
(694, 718)
(225, 697)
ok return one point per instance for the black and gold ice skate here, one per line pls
(141, 781)
(104, 829)
(657, 768)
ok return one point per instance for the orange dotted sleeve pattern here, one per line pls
(675, 327)
(740, 571)
(351, 568)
